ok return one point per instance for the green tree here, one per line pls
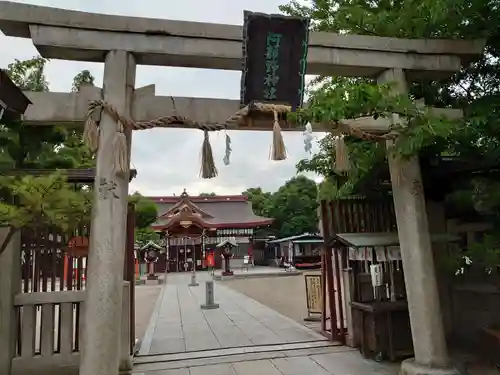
(82, 78)
(261, 201)
(146, 211)
(29, 201)
(293, 206)
(475, 89)
(40, 201)
(146, 214)
(29, 147)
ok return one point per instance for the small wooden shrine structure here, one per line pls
(376, 306)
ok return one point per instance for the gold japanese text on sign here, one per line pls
(314, 294)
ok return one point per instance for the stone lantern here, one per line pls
(227, 247)
(150, 253)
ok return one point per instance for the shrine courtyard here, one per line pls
(243, 336)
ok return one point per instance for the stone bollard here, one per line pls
(193, 280)
(209, 297)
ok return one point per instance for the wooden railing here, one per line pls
(49, 332)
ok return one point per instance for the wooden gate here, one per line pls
(350, 215)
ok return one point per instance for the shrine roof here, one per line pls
(219, 211)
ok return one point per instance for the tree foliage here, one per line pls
(28, 200)
(475, 89)
(293, 206)
(40, 147)
(41, 201)
(145, 211)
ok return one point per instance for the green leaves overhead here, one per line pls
(475, 89)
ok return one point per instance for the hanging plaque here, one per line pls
(274, 59)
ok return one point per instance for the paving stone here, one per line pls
(222, 369)
(352, 363)
(180, 371)
(299, 366)
(170, 330)
(166, 345)
(265, 367)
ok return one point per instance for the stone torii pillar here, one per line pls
(103, 306)
(431, 356)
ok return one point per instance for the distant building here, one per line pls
(302, 251)
(193, 225)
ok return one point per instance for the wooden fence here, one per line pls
(48, 300)
(350, 215)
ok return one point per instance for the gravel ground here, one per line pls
(145, 299)
(286, 295)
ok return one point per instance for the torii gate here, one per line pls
(122, 42)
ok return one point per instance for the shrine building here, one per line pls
(192, 226)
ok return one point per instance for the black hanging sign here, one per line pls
(274, 59)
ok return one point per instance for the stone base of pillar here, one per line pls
(410, 367)
(210, 307)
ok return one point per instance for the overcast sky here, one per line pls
(168, 160)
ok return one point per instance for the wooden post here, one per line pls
(103, 312)
(10, 285)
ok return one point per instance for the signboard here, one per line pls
(274, 59)
(314, 294)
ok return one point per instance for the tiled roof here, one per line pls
(230, 211)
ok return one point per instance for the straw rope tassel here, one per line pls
(208, 168)
(120, 151)
(91, 134)
(341, 155)
(278, 150)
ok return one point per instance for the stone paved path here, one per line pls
(240, 321)
(241, 337)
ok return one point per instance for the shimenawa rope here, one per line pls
(91, 136)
